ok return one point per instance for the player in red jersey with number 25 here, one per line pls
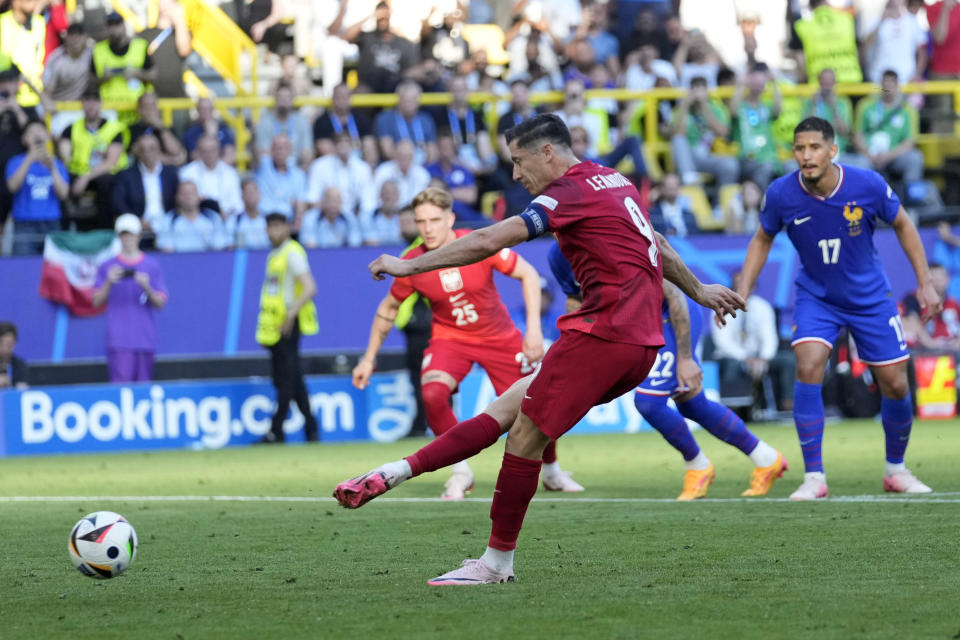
(605, 348)
(470, 325)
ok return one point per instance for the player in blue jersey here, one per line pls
(676, 372)
(829, 212)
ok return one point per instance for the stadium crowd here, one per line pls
(342, 174)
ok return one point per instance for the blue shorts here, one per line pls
(877, 330)
(662, 379)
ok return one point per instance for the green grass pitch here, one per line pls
(289, 563)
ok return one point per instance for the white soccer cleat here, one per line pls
(811, 489)
(473, 571)
(561, 482)
(904, 482)
(458, 486)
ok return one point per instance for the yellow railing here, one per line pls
(235, 111)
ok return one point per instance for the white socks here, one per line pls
(763, 455)
(396, 472)
(816, 475)
(550, 469)
(893, 468)
(699, 463)
(501, 561)
(461, 468)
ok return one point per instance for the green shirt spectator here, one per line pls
(754, 132)
(698, 132)
(885, 125)
(837, 110)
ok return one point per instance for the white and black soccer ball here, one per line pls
(102, 545)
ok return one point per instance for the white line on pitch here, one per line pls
(935, 498)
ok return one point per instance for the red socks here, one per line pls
(436, 403)
(550, 453)
(516, 485)
(464, 440)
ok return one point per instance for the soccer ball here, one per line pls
(102, 545)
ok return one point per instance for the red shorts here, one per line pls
(499, 359)
(579, 372)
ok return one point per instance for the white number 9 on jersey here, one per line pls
(636, 214)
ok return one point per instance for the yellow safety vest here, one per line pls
(85, 144)
(5, 61)
(830, 42)
(118, 88)
(273, 308)
(26, 49)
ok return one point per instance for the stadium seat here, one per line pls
(654, 170)
(727, 193)
(488, 201)
(702, 210)
(488, 37)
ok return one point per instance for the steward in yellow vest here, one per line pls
(91, 138)
(829, 39)
(22, 42)
(123, 67)
(287, 312)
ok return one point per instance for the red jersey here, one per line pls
(607, 237)
(465, 302)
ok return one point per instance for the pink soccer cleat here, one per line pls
(356, 492)
(473, 571)
(904, 482)
(811, 489)
(561, 482)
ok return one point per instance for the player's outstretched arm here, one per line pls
(465, 250)
(689, 374)
(382, 323)
(529, 279)
(757, 253)
(930, 302)
(717, 297)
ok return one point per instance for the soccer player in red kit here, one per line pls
(605, 348)
(470, 325)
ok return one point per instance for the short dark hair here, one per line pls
(547, 127)
(698, 80)
(8, 328)
(814, 123)
(75, 28)
(276, 217)
(890, 73)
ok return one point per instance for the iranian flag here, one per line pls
(70, 262)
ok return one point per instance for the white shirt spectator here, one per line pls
(354, 179)
(244, 232)
(707, 70)
(409, 185)
(221, 184)
(750, 335)
(203, 233)
(590, 121)
(317, 231)
(639, 80)
(153, 211)
(896, 47)
(383, 230)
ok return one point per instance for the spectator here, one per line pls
(38, 182)
(132, 286)
(897, 42)
(644, 66)
(330, 226)
(316, 37)
(13, 370)
(347, 171)
(384, 227)
(13, 119)
(629, 146)
(66, 73)
(94, 151)
(582, 59)
(838, 111)
(122, 66)
(540, 72)
(261, 20)
(646, 31)
(218, 182)
(148, 188)
(671, 215)
(520, 109)
(944, 18)
(829, 38)
(385, 57)
(407, 122)
(747, 348)
(754, 126)
(942, 331)
(697, 123)
(574, 113)
(282, 183)
(560, 17)
(742, 213)
(457, 179)
(594, 27)
(284, 119)
(149, 120)
(57, 23)
(533, 49)
(248, 229)
(23, 32)
(207, 124)
(190, 227)
(441, 37)
(340, 117)
(169, 45)
(695, 58)
(885, 130)
(411, 178)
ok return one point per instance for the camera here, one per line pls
(128, 273)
